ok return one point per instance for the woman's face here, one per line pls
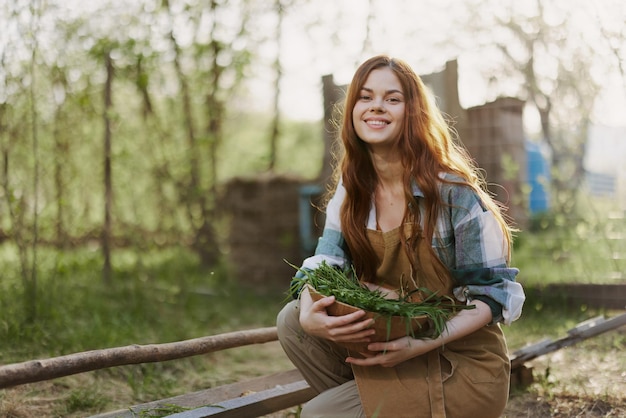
(378, 114)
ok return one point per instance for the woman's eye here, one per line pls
(365, 97)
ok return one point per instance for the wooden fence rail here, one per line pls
(46, 369)
(585, 330)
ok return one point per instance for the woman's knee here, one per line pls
(338, 402)
(288, 320)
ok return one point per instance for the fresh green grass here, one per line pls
(546, 318)
(587, 252)
(153, 298)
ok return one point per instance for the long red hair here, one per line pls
(427, 150)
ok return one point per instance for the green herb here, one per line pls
(162, 411)
(344, 286)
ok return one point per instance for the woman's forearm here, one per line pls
(395, 352)
(465, 322)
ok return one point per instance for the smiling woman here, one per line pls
(409, 215)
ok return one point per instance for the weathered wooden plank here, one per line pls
(213, 396)
(255, 404)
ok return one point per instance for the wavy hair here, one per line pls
(427, 150)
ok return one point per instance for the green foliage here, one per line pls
(150, 381)
(169, 151)
(588, 249)
(84, 399)
(246, 152)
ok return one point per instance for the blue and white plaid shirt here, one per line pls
(468, 241)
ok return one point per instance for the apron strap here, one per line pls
(435, 385)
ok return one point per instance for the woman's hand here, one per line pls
(392, 353)
(347, 328)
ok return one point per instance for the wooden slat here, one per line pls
(251, 389)
(255, 404)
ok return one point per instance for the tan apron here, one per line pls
(415, 388)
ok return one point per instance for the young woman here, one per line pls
(408, 211)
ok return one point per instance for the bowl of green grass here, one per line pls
(393, 317)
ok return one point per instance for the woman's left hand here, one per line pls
(392, 353)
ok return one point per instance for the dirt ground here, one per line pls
(585, 380)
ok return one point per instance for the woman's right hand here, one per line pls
(347, 328)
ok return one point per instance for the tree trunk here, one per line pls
(30, 285)
(108, 185)
(274, 130)
(60, 149)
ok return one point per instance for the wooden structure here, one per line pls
(46, 369)
(494, 136)
(263, 230)
(605, 296)
(250, 398)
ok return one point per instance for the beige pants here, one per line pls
(323, 366)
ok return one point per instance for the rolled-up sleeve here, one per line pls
(331, 246)
(478, 257)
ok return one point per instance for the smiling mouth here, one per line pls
(377, 123)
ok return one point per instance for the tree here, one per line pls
(275, 127)
(108, 184)
(219, 64)
(23, 203)
(613, 32)
(550, 61)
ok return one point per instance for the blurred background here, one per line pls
(162, 161)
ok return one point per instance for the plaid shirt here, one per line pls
(468, 241)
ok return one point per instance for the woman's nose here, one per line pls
(377, 106)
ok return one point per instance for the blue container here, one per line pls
(538, 178)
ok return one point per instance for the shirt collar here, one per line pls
(415, 189)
